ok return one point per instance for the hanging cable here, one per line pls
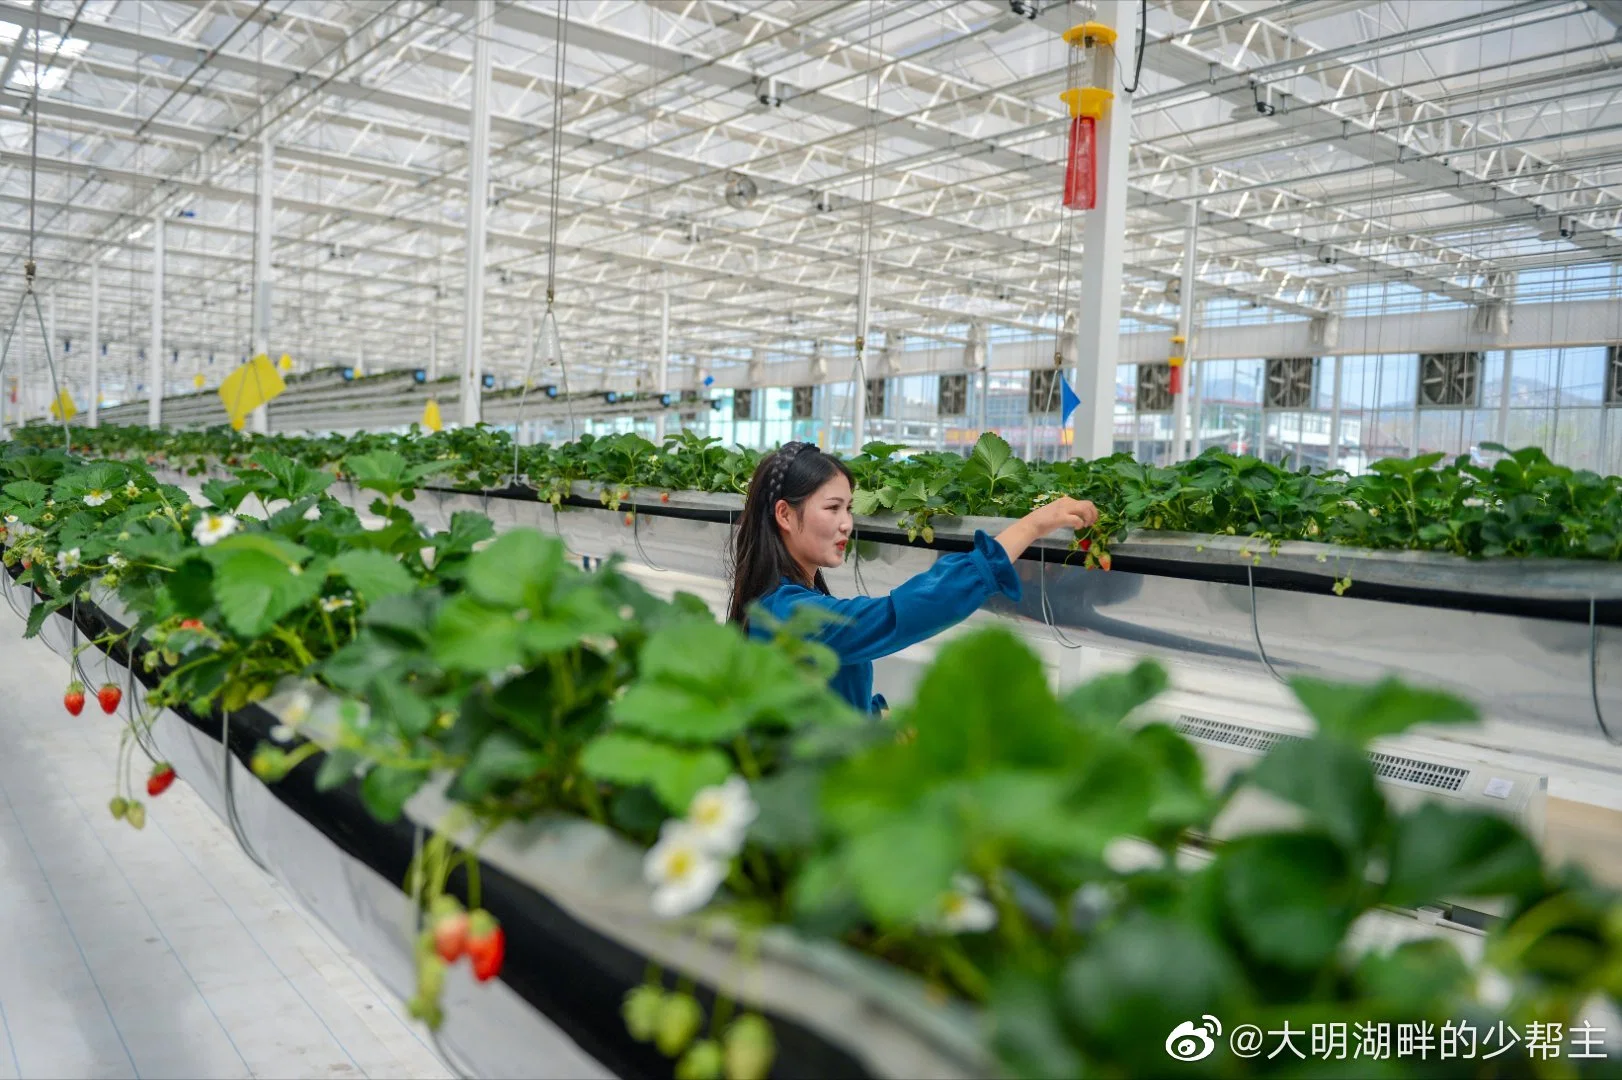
(1143, 36)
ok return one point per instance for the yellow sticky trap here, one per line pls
(248, 387)
(63, 407)
(197, 380)
(430, 416)
(285, 363)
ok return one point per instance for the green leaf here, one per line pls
(518, 570)
(1361, 713)
(1289, 896)
(1439, 853)
(698, 654)
(902, 867)
(191, 587)
(501, 758)
(864, 503)
(675, 773)
(1332, 781)
(394, 702)
(788, 818)
(468, 636)
(1109, 699)
(678, 714)
(1147, 975)
(382, 471)
(1029, 1039)
(373, 574)
(387, 789)
(255, 590)
(294, 480)
(966, 720)
(28, 492)
(337, 766)
(467, 527)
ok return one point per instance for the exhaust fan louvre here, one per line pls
(1289, 383)
(952, 399)
(743, 404)
(1613, 375)
(1154, 388)
(1449, 380)
(804, 402)
(1043, 393)
(875, 397)
(1431, 775)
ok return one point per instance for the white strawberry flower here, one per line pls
(964, 908)
(11, 519)
(213, 528)
(298, 707)
(95, 497)
(130, 490)
(281, 733)
(720, 816)
(67, 561)
(682, 870)
(117, 561)
(336, 603)
(1129, 855)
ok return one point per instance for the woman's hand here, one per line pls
(1062, 513)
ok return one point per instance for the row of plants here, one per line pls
(1522, 504)
(1024, 852)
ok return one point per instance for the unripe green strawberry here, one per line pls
(702, 1062)
(430, 977)
(119, 806)
(750, 1048)
(641, 1011)
(136, 815)
(679, 1020)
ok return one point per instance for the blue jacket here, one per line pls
(873, 626)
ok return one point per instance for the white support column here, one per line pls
(478, 197)
(1185, 328)
(1193, 386)
(264, 230)
(661, 368)
(154, 351)
(1098, 320)
(1337, 396)
(1503, 399)
(433, 353)
(95, 341)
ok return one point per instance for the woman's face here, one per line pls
(816, 536)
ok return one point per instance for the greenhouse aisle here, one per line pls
(161, 953)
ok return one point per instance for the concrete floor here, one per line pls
(161, 953)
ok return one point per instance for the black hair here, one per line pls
(759, 558)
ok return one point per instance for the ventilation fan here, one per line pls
(804, 405)
(952, 399)
(1449, 379)
(875, 397)
(1613, 375)
(1405, 778)
(740, 191)
(1154, 388)
(1042, 396)
(743, 404)
(1289, 383)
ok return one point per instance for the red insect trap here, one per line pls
(1081, 165)
(1081, 162)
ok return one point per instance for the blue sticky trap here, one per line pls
(709, 380)
(1067, 400)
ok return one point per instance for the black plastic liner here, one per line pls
(566, 970)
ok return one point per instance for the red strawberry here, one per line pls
(664, 497)
(486, 945)
(629, 519)
(1086, 545)
(73, 700)
(163, 774)
(191, 624)
(1104, 561)
(450, 936)
(109, 696)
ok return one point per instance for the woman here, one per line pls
(797, 519)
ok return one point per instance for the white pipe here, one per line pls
(264, 229)
(95, 340)
(433, 352)
(1335, 405)
(1185, 327)
(154, 352)
(1503, 399)
(478, 197)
